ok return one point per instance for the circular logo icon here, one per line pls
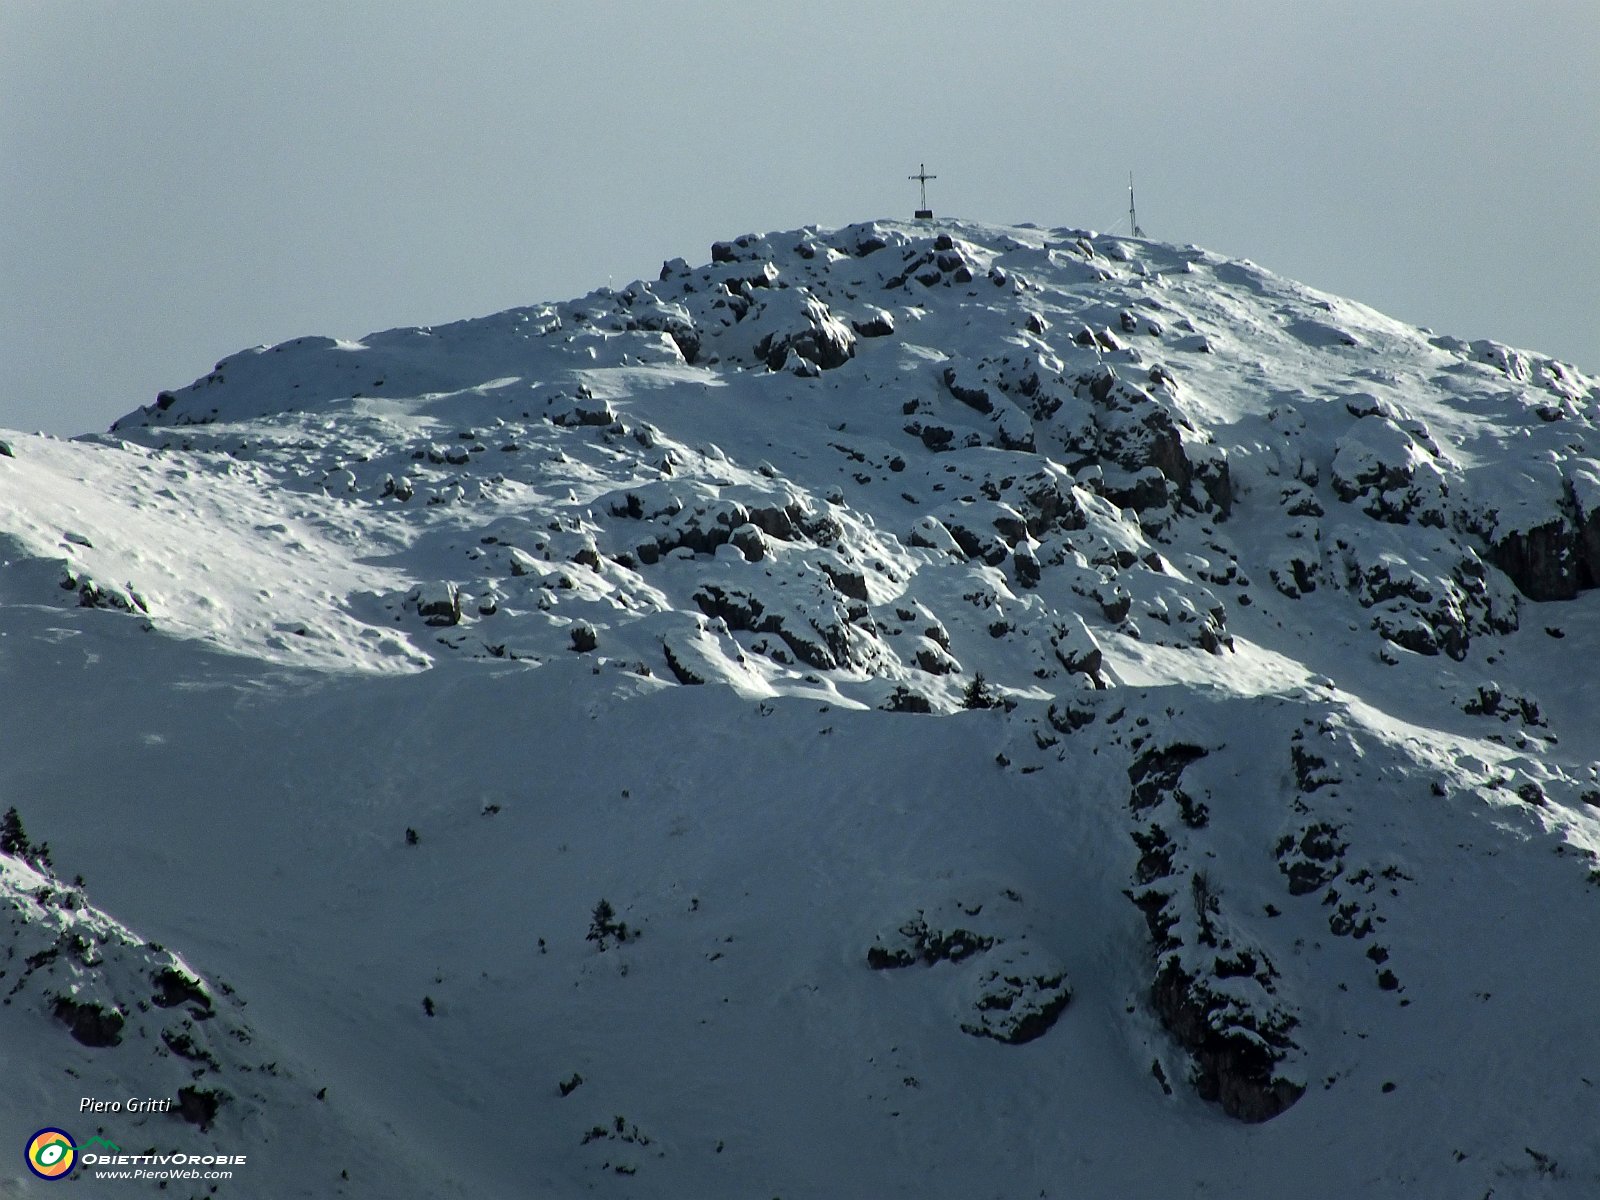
(51, 1154)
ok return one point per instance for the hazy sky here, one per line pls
(182, 180)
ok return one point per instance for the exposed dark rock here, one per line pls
(879, 324)
(935, 660)
(92, 594)
(89, 1022)
(799, 323)
(818, 639)
(1155, 774)
(1115, 603)
(739, 610)
(675, 664)
(1297, 574)
(1142, 490)
(1160, 916)
(1048, 502)
(749, 541)
(1215, 477)
(1312, 859)
(904, 700)
(1349, 918)
(673, 321)
(1156, 849)
(849, 583)
(1066, 716)
(1543, 561)
(586, 412)
(1075, 648)
(1491, 700)
(1134, 430)
(1236, 1056)
(439, 603)
(173, 988)
(184, 1046)
(1026, 565)
(1587, 522)
(967, 525)
(199, 1106)
(914, 942)
(934, 437)
(1237, 1042)
(973, 397)
(1310, 770)
(1016, 1006)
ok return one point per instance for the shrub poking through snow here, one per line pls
(603, 925)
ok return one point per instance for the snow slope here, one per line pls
(1055, 714)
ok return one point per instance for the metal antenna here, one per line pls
(924, 213)
(1133, 215)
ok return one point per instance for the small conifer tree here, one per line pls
(978, 694)
(603, 924)
(13, 839)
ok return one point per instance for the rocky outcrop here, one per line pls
(1429, 603)
(913, 942)
(1310, 857)
(199, 1106)
(1018, 1000)
(89, 1022)
(1015, 989)
(1391, 473)
(437, 603)
(1543, 560)
(1214, 990)
(1236, 1053)
(794, 323)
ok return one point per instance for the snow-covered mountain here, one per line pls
(912, 710)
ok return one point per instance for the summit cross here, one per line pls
(924, 213)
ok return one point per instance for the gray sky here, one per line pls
(182, 180)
